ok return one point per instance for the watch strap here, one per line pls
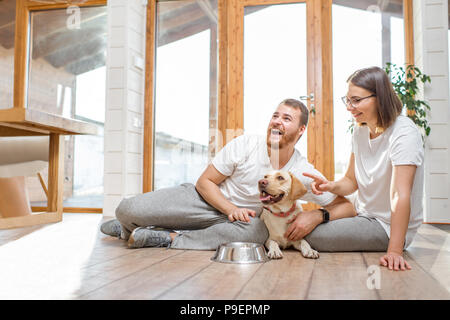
(325, 215)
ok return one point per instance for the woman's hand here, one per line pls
(394, 261)
(319, 185)
(241, 214)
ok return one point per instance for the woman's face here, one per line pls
(362, 107)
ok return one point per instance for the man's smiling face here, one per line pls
(284, 127)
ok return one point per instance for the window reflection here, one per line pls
(274, 63)
(7, 33)
(67, 77)
(186, 89)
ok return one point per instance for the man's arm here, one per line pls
(208, 187)
(307, 221)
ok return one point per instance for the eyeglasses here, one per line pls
(356, 101)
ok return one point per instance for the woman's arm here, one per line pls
(347, 184)
(401, 186)
(343, 187)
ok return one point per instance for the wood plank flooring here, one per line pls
(74, 260)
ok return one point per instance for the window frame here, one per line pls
(21, 62)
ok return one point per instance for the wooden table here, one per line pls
(28, 122)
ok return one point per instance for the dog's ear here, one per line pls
(297, 188)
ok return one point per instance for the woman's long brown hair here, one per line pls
(376, 80)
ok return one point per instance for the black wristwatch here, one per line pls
(325, 215)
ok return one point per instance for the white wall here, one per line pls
(431, 54)
(124, 102)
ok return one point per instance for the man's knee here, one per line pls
(261, 231)
(123, 210)
(255, 231)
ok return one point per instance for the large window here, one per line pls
(185, 93)
(274, 62)
(67, 77)
(7, 33)
(269, 50)
(365, 33)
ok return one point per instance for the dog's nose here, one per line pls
(263, 183)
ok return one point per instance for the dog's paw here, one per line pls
(311, 254)
(275, 253)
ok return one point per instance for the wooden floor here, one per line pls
(73, 260)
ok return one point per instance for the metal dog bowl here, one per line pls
(241, 252)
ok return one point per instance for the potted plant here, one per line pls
(406, 83)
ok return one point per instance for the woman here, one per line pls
(385, 168)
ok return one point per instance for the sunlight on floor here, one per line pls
(441, 266)
(47, 263)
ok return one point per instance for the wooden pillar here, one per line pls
(320, 82)
(231, 110)
(409, 31)
(149, 94)
(20, 54)
(222, 103)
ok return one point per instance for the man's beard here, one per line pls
(281, 143)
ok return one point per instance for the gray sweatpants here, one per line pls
(349, 234)
(182, 208)
(205, 228)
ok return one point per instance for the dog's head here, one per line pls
(279, 187)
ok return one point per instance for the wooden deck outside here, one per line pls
(74, 260)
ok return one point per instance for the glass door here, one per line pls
(365, 34)
(185, 90)
(277, 50)
(275, 62)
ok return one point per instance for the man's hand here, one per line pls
(241, 214)
(394, 261)
(303, 224)
(319, 185)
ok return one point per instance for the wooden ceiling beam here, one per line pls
(208, 9)
(172, 20)
(393, 7)
(180, 33)
(44, 26)
(87, 64)
(170, 6)
(57, 41)
(7, 37)
(193, 27)
(76, 51)
(7, 12)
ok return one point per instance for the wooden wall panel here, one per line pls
(20, 54)
(148, 156)
(409, 31)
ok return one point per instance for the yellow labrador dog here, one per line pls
(279, 192)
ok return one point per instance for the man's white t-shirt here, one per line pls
(400, 144)
(245, 161)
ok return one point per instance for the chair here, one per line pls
(20, 157)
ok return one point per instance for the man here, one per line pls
(224, 204)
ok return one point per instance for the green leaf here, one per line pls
(406, 82)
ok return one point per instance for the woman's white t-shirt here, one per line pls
(400, 144)
(245, 161)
